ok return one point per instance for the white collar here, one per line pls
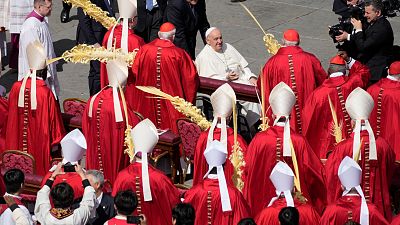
(280, 124)
(120, 217)
(99, 198)
(394, 78)
(15, 196)
(212, 176)
(336, 74)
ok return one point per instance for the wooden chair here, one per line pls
(73, 112)
(189, 133)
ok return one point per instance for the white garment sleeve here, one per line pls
(42, 206)
(20, 217)
(86, 207)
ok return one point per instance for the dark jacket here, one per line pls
(142, 15)
(374, 46)
(187, 20)
(90, 31)
(104, 211)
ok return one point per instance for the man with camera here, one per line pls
(373, 43)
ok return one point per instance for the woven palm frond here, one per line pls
(180, 104)
(236, 157)
(94, 12)
(336, 128)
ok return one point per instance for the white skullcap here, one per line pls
(349, 173)
(209, 30)
(145, 137)
(215, 155)
(222, 101)
(359, 105)
(282, 178)
(282, 100)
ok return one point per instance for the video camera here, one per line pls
(391, 7)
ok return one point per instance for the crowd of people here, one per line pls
(325, 154)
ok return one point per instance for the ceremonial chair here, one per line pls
(189, 133)
(24, 161)
(73, 111)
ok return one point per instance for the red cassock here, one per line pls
(105, 137)
(317, 115)
(3, 122)
(269, 215)
(396, 220)
(348, 208)
(134, 42)
(376, 174)
(164, 194)
(71, 178)
(360, 71)
(263, 153)
(300, 70)
(200, 163)
(163, 65)
(44, 126)
(206, 199)
(384, 119)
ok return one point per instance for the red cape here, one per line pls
(269, 215)
(379, 178)
(317, 116)
(386, 95)
(348, 208)
(177, 76)
(3, 122)
(134, 43)
(197, 197)
(396, 220)
(71, 178)
(44, 128)
(165, 195)
(308, 74)
(105, 137)
(262, 156)
(200, 163)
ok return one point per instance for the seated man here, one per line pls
(104, 202)
(215, 200)
(62, 196)
(282, 177)
(14, 180)
(155, 192)
(73, 147)
(352, 205)
(126, 203)
(219, 60)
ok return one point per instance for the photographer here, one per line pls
(373, 43)
(126, 203)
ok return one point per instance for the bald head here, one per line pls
(214, 39)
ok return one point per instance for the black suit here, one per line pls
(91, 32)
(104, 211)
(374, 47)
(149, 22)
(188, 20)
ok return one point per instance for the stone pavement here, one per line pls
(310, 17)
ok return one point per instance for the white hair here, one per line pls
(290, 43)
(98, 176)
(167, 35)
(209, 30)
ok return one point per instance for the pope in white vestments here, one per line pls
(34, 28)
(219, 60)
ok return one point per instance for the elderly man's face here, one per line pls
(371, 14)
(45, 8)
(214, 39)
(94, 184)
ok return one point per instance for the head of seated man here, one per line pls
(14, 180)
(214, 39)
(290, 38)
(62, 196)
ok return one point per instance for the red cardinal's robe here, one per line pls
(206, 199)
(348, 208)
(300, 70)
(164, 194)
(162, 65)
(262, 155)
(3, 122)
(71, 178)
(34, 131)
(384, 117)
(200, 163)
(317, 115)
(269, 215)
(376, 174)
(105, 137)
(134, 43)
(396, 220)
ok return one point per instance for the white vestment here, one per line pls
(19, 10)
(80, 215)
(32, 30)
(9, 218)
(212, 64)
